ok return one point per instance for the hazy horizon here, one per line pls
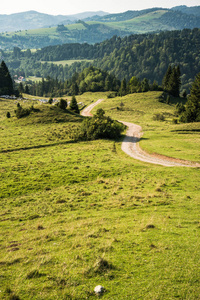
(66, 8)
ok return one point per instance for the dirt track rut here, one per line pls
(130, 145)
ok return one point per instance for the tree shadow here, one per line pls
(36, 147)
(130, 139)
(185, 131)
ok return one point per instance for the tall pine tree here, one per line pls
(6, 83)
(192, 107)
(171, 81)
(73, 105)
(174, 82)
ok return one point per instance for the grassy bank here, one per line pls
(75, 215)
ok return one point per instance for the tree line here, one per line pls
(94, 79)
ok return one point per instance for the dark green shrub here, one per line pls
(62, 104)
(22, 112)
(111, 95)
(174, 121)
(99, 127)
(158, 117)
(180, 108)
(8, 115)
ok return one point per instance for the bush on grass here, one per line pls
(99, 127)
(158, 117)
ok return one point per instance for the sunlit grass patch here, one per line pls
(76, 215)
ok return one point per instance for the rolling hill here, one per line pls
(34, 20)
(95, 29)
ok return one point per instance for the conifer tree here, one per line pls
(174, 82)
(21, 88)
(73, 105)
(26, 89)
(192, 107)
(6, 83)
(123, 88)
(145, 85)
(165, 82)
(171, 81)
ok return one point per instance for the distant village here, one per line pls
(19, 79)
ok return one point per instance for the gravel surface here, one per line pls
(130, 145)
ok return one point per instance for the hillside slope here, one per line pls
(93, 30)
(34, 20)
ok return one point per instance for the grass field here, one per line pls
(76, 215)
(51, 31)
(67, 62)
(139, 24)
(34, 78)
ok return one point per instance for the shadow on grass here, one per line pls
(130, 139)
(36, 147)
(185, 131)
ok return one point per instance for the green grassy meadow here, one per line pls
(139, 24)
(68, 62)
(74, 215)
(50, 31)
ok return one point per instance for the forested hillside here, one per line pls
(144, 56)
(194, 10)
(150, 57)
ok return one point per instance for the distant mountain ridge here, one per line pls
(194, 10)
(34, 20)
(91, 27)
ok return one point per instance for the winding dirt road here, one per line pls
(130, 145)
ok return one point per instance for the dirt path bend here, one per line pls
(87, 110)
(130, 145)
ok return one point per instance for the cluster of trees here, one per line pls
(6, 83)
(48, 87)
(91, 79)
(72, 106)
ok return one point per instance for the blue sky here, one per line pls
(66, 7)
